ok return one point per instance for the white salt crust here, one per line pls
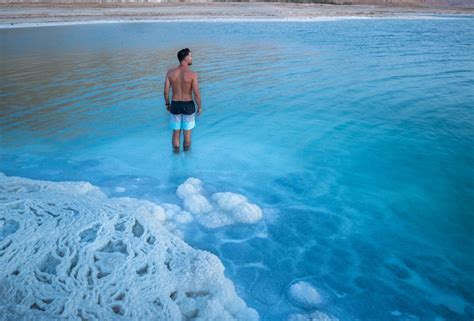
(304, 295)
(222, 209)
(69, 251)
(315, 316)
(45, 23)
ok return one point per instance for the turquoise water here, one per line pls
(354, 136)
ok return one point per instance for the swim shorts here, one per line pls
(182, 115)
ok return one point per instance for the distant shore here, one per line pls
(38, 14)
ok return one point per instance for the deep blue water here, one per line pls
(355, 136)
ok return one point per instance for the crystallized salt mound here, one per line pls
(120, 189)
(174, 212)
(315, 316)
(226, 208)
(304, 295)
(69, 251)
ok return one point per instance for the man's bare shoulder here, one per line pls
(171, 71)
(189, 73)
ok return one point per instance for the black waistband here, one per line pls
(182, 101)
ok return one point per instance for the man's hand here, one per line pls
(168, 107)
(199, 111)
(166, 91)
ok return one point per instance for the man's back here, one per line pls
(182, 83)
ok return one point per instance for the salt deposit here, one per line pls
(224, 208)
(315, 316)
(305, 295)
(67, 250)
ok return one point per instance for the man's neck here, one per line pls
(183, 66)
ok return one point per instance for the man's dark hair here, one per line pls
(183, 53)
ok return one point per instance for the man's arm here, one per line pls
(166, 91)
(197, 94)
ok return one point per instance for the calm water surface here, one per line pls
(354, 136)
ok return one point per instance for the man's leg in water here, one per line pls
(175, 140)
(187, 139)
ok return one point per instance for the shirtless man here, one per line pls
(184, 82)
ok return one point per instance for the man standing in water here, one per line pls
(184, 82)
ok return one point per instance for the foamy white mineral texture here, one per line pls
(304, 295)
(69, 251)
(315, 316)
(221, 209)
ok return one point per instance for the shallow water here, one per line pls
(354, 136)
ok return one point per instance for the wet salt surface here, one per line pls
(331, 153)
(68, 250)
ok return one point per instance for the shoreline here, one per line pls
(16, 15)
(210, 20)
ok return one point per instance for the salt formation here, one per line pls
(315, 316)
(304, 295)
(69, 251)
(227, 207)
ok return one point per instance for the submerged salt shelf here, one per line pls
(67, 250)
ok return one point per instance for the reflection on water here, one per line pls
(76, 95)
